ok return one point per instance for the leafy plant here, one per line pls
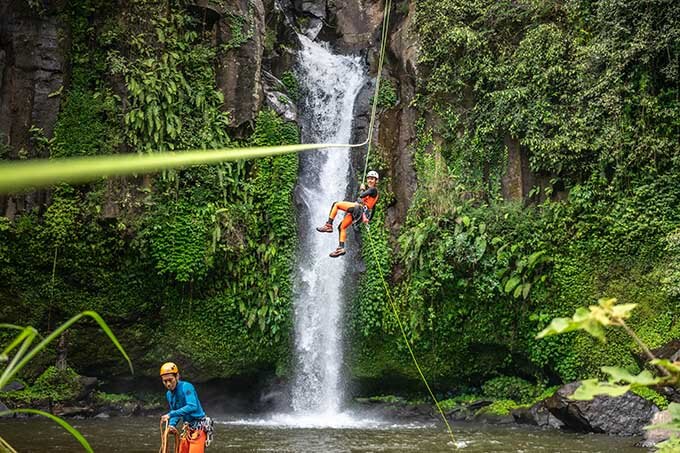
(594, 320)
(22, 352)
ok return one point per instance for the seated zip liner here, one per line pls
(362, 210)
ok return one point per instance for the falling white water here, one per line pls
(330, 84)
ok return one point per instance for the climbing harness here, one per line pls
(208, 426)
(165, 432)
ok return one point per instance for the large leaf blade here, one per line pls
(71, 430)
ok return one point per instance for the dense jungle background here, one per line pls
(530, 157)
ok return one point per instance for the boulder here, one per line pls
(626, 415)
(655, 436)
(277, 100)
(536, 415)
(493, 419)
(87, 385)
(71, 411)
(459, 413)
(315, 8)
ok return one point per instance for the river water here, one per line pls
(140, 434)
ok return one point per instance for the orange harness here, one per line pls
(191, 440)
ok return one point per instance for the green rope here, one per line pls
(395, 310)
(374, 107)
(20, 175)
(397, 317)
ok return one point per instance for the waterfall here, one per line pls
(330, 85)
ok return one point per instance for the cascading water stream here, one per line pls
(330, 84)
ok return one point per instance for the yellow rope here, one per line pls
(395, 312)
(374, 107)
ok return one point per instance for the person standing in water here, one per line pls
(362, 209)
(184, 404)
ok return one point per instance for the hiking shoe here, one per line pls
(327, 228)
(337, 252)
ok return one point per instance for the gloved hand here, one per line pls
(362, 187)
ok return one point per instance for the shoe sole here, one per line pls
(335, 255)
(324, 231)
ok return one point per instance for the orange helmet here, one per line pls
(168, 368)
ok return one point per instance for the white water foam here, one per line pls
(330, 84)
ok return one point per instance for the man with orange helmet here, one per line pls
(184, 404)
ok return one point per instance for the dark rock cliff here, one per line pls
(32, 66)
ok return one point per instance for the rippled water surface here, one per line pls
(140, 434)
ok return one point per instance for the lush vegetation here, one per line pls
(192, 265)
(586, 94)
(195, 265)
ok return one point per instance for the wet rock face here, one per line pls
(397, 125)
(537, 415)
(31, 72)
(655, 436)
(32, 63)
(626, 415)
(357, 23)
(240, 38)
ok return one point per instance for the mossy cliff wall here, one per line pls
(529, 159)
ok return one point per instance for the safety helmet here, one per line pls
(373, 174)
(168, 368)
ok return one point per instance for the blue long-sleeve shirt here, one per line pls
(184, 404)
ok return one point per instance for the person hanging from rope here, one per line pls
(197, 432)
(361, 210)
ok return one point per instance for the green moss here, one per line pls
(511, 388)
(291, 85)
(53, 385)
(499, 407)
(112, 398)
(651, 395)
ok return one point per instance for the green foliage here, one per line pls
(499, 407)
(593, 320)
(202, 257)
(291, 85)
(241, 29)
(651, 395)
(112, 398)
(512, 388)
(578, 94)
(180, 241)
(387, 95)
(451, 403)
(170, 82)
(56, 385)
(53, 383)
(86, 126)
